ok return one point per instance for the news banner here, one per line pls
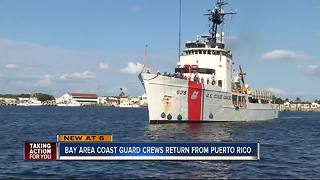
(101, 147)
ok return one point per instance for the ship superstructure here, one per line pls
(205, 85)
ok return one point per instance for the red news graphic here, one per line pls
(40, 151)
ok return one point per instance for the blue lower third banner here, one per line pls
(158, 151)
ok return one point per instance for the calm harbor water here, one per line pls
(289, 146)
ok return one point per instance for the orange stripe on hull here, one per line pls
(194, 101)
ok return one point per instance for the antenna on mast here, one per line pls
(179, 30)
(145, 58)
(216, 18)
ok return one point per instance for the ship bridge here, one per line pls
(206, 59)
(210, 64)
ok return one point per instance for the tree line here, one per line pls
(279, 100)
(39, 96)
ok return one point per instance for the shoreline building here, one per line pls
(299, 106)
(77, 99)
(315, 106)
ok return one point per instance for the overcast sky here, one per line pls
(97, 46)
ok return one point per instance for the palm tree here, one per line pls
(122, 94)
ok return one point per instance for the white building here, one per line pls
(143, 101)
(134, 100)
(293, 105)
(286, 105)
(306, 106)
(113, 101)
(8, 101)
(78, 99)
(315, 106)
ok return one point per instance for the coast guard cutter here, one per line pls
(205, 86)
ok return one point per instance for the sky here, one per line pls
(97, 46)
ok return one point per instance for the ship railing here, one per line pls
(262, 94)
(195, 78)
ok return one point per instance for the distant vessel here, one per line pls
(31, 102)
(205, 87)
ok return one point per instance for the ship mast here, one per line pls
(216, 18)
(179, 30)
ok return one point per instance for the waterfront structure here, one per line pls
(77, 99)
(306, 106)
(8, 101)
(286, 106)
(205, 85)
(103, 101)
(118, 101)
(299, 106)
(315, 106)
(143, 101)
(126, 102)
(113, 101)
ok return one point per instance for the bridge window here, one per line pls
(209, 52)
(206, 71)
(199, 70)
(220, 83)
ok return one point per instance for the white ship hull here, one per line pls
(177, 100)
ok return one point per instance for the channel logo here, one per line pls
(40, 151)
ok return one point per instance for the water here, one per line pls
(290, 145)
